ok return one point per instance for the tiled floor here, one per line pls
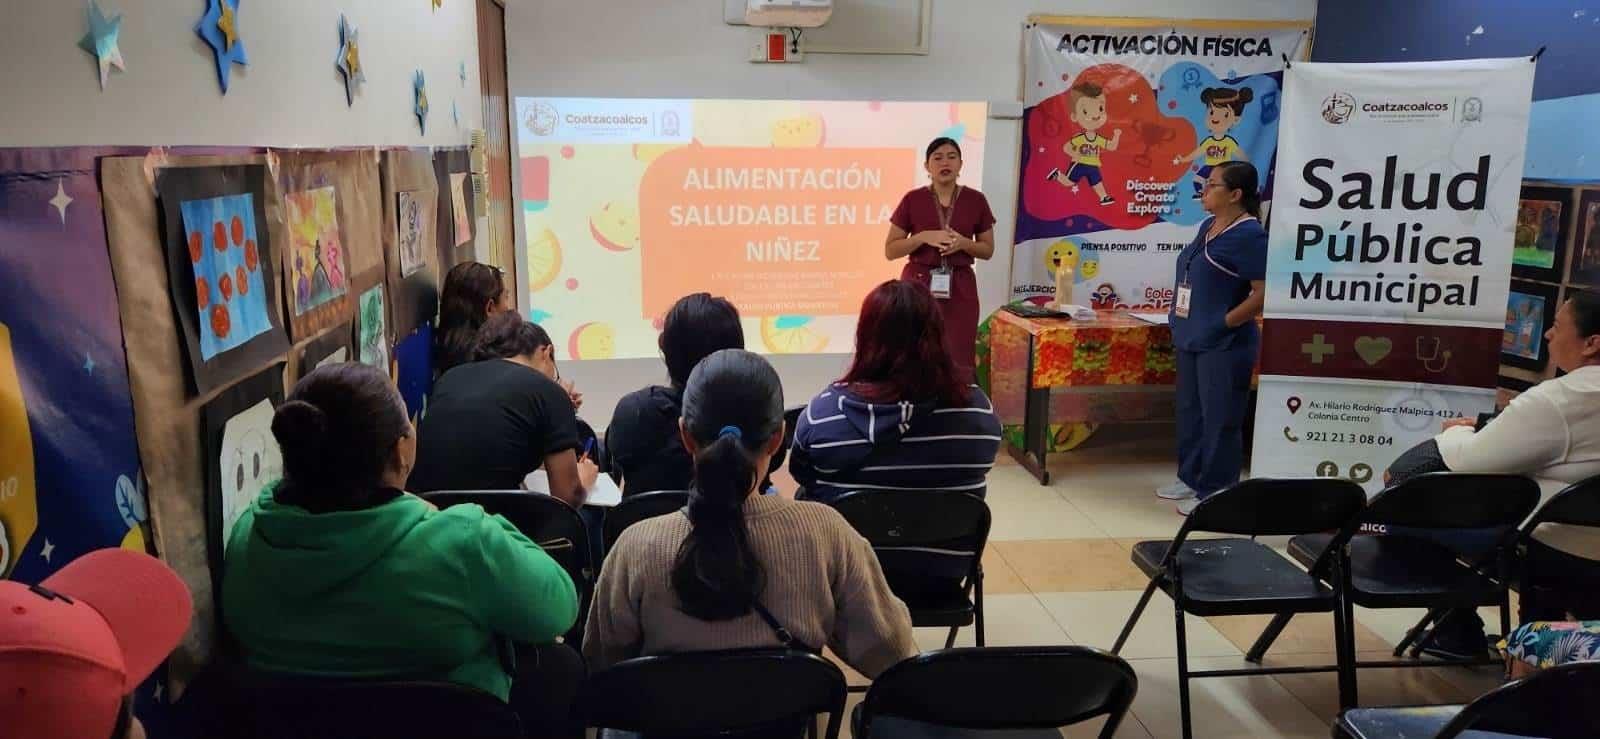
(1058, 572)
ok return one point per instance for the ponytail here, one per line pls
(732, 408)
(716, 576)
(336, 431)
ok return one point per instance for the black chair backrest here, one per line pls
(1004, 688)
(791, 416)
(300, 707)
(548, 521)
(918, 532)
(707, 693)
(1550, 703)
(1268, 507)
(1577, 505)
(1451, 500)
(636, 508)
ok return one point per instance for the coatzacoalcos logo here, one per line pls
(1338, 107)
(541, 119)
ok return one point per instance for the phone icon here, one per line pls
(1288, 434)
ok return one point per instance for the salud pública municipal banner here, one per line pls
(1124, 120)
(1389, 259)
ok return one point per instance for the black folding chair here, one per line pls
(1401, 569)
(636, 508)
(1551, 703)
(744, 693)
(1235, 577)
(930, 545)
(791, 416)
(998, 689)
(550, 523)
(301, 707)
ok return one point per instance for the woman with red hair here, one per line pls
(903, 417)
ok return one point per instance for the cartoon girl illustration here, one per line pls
(1224, 108)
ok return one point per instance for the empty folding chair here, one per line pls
(1234, 576)
(1006, 688)
(636, 508)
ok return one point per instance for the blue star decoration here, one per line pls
(101, 41)
(88, 363)
(419, 89)
(349, 60)
(220, 29)
(463, 73)
(455, 113)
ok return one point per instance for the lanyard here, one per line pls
(1205, 243)
(945, 215)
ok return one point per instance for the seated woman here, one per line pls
(899, 419)
(734, 567)
(643, 438)
(1552, 434)
(491, 422)
(336, 572)
(473, 292)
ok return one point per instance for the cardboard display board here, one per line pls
(412, 295)
(353, 175)
(457, 208)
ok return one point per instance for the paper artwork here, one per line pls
(316, 268)
(458, 204)
(230, 292)
(415, 217)
(249, 460)
(371, 341)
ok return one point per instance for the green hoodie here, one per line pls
(401, 590)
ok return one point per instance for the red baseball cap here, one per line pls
(73, 646)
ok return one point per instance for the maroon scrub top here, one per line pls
(970, 216)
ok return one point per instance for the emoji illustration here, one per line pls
(1063, 253)
(615, 226)
(593, 341)
(19, 510)
(544, 260)
(799, 133)
(248, 461)
(1088, 269)
(791, 335)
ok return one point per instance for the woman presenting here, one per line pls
(1220, 286)
(942, 228)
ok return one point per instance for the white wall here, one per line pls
(681, 49)
(289, 95)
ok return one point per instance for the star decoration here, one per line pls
(419, 85)
(61, 201)
(437, 4)
(349, 60)
(219, 27)
(101, 41)
(455, 113)
(463, 73)
(1074, 188)
(1133, 98)
(88, 363)
(47, 550)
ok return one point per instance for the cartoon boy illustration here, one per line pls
(1087, 108)
(1224, 107)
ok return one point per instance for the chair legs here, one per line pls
(1268, 636)
(1133, 618)
(1183, 667)
(977, 608)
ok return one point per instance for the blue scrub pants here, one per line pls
(1213, 393)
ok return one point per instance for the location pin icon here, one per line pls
(1294, 406)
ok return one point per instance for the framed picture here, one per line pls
(1529, 312)
(1539, 246)
(1586, 248)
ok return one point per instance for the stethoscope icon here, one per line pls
(1433, 357)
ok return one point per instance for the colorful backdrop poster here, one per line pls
(1122, 125)
(780, 206)
(70, 481)
(1389, 259)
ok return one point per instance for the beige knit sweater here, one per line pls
(824, 585)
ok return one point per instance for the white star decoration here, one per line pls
(61, 201)
(1074, 188)
(1133, 98)
(47, 550)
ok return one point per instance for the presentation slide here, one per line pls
(779, 206)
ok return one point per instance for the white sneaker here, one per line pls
(1176, 490)
(1187, 506)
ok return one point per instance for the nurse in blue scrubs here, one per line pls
(1218, 292)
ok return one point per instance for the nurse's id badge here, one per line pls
(1180, 302)
(939, 283)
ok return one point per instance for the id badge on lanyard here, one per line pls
(939, 278)
(1180, 302)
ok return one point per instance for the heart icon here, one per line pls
(1373, 350)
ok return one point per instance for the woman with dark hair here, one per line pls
(473, 292)
(336, 572)
(902, 418)
(646, 453)
(1218, 292)
(736, 569)
(491, 422)
(941, 229)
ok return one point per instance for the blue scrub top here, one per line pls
(1219, 276)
